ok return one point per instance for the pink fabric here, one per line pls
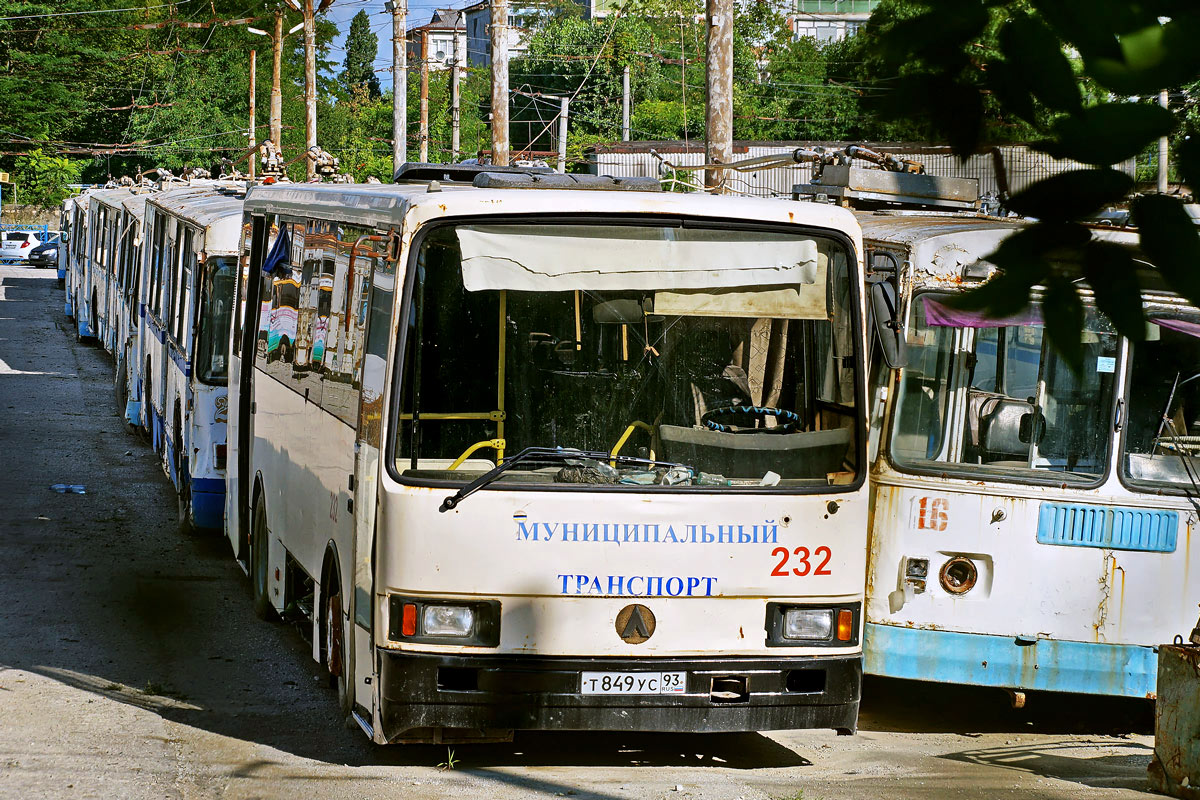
(1181, 325)
(942, 315)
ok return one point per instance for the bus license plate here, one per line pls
(633, 682)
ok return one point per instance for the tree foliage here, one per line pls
(361, 48)
(960, 62)
(44, 180)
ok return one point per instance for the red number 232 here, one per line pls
(802, 555)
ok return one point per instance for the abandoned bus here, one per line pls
(65, 217)
(567, 459)
(1031, 527)
(125, 303)
(76, 254)
(190, 264)
(98, 286)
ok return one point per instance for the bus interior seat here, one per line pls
(811, 454)
(1006, 427)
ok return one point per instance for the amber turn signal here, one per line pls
(845, 625)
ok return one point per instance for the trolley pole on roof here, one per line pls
(499, 46)
(253, 121)
(423, 157)
(718, 111)
(399, 9)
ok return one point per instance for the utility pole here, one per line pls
(276, 92)
(718, 112)
(424, 152)
(310, 85)
(454, 96)
(253, 121)
(499, 44)
(625, 105)
(1164, 100)
(399, 9)
(562, 133)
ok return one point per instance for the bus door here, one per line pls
(241, 370)
(368, 313)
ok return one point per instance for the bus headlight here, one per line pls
(812, 626)
(447, 620)
(475, 623)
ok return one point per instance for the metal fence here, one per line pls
(1010, 167)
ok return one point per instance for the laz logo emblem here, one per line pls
(930, 513)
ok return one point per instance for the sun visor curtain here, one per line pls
(628, 258)
(944, 316)
(1180, 325)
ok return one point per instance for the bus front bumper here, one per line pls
(420, 691)
(974, 659)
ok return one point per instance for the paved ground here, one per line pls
(132, 666)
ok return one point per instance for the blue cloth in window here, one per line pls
(276, 262)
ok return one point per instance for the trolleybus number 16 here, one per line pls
(801, 558)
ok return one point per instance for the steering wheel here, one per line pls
(719, 419)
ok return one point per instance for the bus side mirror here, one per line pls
(886, 323)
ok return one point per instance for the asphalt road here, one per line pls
(132, 666)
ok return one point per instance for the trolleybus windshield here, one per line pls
(726, 354)
(1161, 447)
(987, 396)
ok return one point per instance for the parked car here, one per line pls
(44, 255)
(17, 245)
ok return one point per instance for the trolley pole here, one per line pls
(276, 92)
(454, 98)
(626, 103)
(718, 112)
(399, 9)
(1164, 100)
(562, 133)
(310, 86)
(499, 44)
(424, 144)
(253, 121)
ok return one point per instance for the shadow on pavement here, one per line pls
(1073, 761)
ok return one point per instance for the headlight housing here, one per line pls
(436, 621)
(791, 625)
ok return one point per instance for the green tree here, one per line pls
(956, 59)
(43, 180)
(361, 48)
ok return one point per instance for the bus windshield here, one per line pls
(719, 357)
(217, 305)
(1161, 448)
(990, 396)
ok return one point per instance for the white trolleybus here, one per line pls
(1031, 527)
(125, 301)
(555, 458)
(75, 255)
(65, 218)
(98, 285)
(192, 236)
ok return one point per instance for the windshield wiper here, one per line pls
(549, 455)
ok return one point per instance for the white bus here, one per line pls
(585, 459)
(125, 303)
(97, 288)
(66, 216)
(190, 265)
(76, 254)
(1031, 527)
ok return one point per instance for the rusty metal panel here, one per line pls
(1176, 766)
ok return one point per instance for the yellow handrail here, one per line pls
(495, 444)
(495, 416)
(629, 432)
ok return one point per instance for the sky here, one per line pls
(342, 11)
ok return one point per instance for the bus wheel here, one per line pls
(335, 650)
(258, 566)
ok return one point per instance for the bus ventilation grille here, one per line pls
(1110, 527)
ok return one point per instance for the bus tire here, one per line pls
(333, 630)
(259, 590)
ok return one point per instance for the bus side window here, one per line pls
(339, 333)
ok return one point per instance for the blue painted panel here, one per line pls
(1048, 665)
(1117, 528)
(208, 507)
